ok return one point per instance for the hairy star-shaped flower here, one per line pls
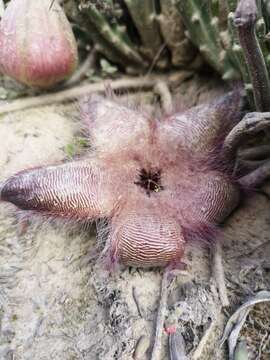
(159, 182)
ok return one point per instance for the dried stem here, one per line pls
(139, 83)
(169, 273)
(162, 89)
(237, 320)
(204, 342)
(218, 273)
(135, 298)
(177, 346)
(2, 8)
(161, 316)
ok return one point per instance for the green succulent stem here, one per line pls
(231, 4)
(173, 32)
(144, 16)
(179, 33)
(203, 30)
(113, 39)
(198, 24)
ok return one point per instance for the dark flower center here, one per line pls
(150, 181)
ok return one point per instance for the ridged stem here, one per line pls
(173, 31)
(245, 22)
(115, 39)
(144, 15)
(203, 31)
(238, 54)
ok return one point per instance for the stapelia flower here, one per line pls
(159, 182)
(37, 46)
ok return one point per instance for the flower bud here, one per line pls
(37, 45)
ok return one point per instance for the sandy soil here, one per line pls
(56, 304)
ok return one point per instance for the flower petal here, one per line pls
(75, 189)
(145, 239)
(114, 128)
(202, 128)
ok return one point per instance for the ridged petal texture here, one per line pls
(37, 45)
(159, 182)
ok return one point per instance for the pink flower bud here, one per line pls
(37, 45)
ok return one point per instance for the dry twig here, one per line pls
(198, 353)
(2, 8)
(177, 346)
(161, 315)
(218, 273)
(162, 89)
(168, 275)
(75, 92)
(135, 298)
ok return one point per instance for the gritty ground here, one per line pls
(57, 304)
